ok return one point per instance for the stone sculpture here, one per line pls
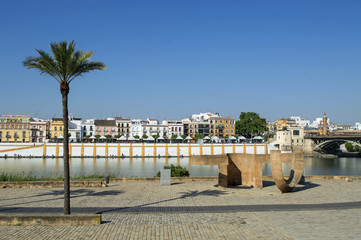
(246, 169)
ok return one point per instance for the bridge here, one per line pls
(329, 143)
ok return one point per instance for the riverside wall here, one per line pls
(127, 149)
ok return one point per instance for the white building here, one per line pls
(291, 137)
(136, 127)
(318, 122)
(88, 128)
(204, 116)
(301, 121)
(149, 127)
(174, 128)
(357, 126)
(75, 129)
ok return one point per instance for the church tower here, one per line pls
(324, 125)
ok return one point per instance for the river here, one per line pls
(148, 167)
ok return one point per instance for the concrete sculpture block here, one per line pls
(246, 169)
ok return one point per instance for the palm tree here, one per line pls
(65, 65)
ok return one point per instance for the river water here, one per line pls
(148, 167)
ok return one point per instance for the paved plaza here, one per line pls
(319, 209)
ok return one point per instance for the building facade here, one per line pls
(88, 128)
(289, 138)
(75, 129)
(105, 127)
(14, 128)
(174, 128)
(56, 128)
(209, 124)
(38, 130)
(123, 126)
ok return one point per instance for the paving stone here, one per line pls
(321, 209)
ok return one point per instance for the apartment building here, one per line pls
(123, 126)
(88, 128)
(222, 127)
(209, 124)
(38, 130)
(56, 128)
(14, 128)
(174, 127)
(105, 127)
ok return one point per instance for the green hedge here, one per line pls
(176, 171)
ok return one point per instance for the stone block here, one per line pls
(165, 176)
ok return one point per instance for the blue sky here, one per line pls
(171, 59)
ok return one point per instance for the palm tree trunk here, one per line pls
(64, 89)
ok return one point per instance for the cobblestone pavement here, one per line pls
(320, 209)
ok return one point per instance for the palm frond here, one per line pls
(66, 63)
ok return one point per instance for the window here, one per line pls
(55, 129)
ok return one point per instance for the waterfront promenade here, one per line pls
(320, 209)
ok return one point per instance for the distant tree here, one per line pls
(250, 124)
(268, 136)
(174, 136)
(199, 136)
(144, 136)
(108, 136)
(184, 136)
(156, 136)
(349, 146)
(97, 136)
(117, 136)
(136, 137)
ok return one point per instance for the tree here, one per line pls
(250, 124)
(349, 146)
(199, 136)
(174, 136)
(65, 65)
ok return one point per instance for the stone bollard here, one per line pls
(107, 180)
(165, 177)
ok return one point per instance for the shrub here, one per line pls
(357, 148)
(176, 171)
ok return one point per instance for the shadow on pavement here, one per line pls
(58, 194)
(145, 208)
